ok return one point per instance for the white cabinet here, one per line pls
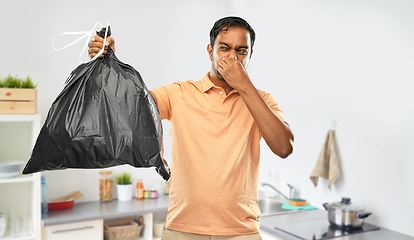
(91, 230)
(20, 195)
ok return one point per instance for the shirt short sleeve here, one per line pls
(270, 100)
(166, 97)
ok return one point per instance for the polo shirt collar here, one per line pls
(207, 84)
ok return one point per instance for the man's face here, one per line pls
(233, 43)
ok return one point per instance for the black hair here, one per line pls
(223, 24)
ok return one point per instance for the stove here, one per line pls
(320, 229)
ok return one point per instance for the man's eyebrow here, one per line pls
(223, 43)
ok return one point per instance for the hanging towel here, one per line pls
(327, 164)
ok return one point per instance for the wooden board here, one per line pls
(18, 94)
(18, 101)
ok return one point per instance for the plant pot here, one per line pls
(124, 192)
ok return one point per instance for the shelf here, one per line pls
(8, 237)
(25, 196)
(18, 238)
(17, 179)
(19, 117)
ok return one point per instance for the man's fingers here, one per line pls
(109, 41)
(111, 44)
(93, 51)
(92, 55)
(96, 44)
(222, 63)
(97, 38)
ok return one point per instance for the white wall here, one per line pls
(323, 60)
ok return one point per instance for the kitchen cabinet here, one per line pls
(91, 230)
(149, 209)
(20, 195)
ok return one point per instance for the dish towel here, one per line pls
(327, 164)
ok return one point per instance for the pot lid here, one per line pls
(346, 205)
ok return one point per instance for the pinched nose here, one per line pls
(233, 54)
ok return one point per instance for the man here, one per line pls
(216, 127)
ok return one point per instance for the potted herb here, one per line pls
(124, 186)
(18, 96)
(15, 82)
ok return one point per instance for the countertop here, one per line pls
(268, 224)
(85, 211)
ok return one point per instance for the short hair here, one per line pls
(228, 22)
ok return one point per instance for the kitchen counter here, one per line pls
(85, 211)
(268, 224)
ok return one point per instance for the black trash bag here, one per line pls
(104, 117)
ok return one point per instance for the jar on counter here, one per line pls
(153, 193)
(105, 186)
(146, 193)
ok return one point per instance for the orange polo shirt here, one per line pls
(214, 159)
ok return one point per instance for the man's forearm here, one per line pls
(276, 133)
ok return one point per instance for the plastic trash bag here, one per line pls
(105, 116)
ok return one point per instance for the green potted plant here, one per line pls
(18, 96)
(15, 82)
(124, 186)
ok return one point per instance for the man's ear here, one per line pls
(210, 52)
(251, 53)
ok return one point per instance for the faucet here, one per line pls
(293, 192)
(266, 184)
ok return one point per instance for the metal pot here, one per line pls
(345, 214)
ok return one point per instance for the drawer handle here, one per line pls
(73, 229)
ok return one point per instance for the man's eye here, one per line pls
(223, 48)
(244, 52)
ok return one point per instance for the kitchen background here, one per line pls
(346, 61)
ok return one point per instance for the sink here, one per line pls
(270, 206)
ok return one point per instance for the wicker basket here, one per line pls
(123, 230)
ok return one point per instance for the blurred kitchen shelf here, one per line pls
(32, 180)
(19, 178)
(19, 117)
(8, 237)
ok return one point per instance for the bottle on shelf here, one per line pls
(140, 189)
(44, 196)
